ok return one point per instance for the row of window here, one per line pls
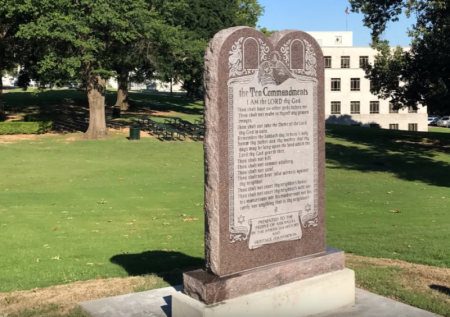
(355, 84)
(345, 61)
(411, 126)
(355, 107)
(392, 126)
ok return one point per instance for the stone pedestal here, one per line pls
(210, 289)
(308, 297)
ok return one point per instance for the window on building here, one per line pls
(335, 84)
(327, 61)
(412, 110)
(355, 107)
(374, 126)
(345, 61)
(391, 108)
(363, 61)
(412, 126)
(335, 107)
(393, 126)
(355, 84)
(374, 107)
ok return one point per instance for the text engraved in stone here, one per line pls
(272, 156)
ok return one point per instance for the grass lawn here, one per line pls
(60, 103)
(440, 130)
(369, 174)
(79, 210)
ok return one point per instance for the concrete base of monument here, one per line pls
(210, 289)
(308, 297)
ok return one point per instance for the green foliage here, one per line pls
(183, 61)
(266, 31)
(423, 69)
(81, 37)
(249, 13)
(25, 127)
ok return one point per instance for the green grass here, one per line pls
(363, 168)
(383, 281)
(50, 311)
(51, 184)
(440, 130)
(115, 208)
(52, 104)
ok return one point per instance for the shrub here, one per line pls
(25, 127)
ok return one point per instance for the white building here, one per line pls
(348, 99)
(156, 85)
(8, 81)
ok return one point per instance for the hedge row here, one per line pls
(25, 127)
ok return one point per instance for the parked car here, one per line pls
(432, 120)
(443, 122)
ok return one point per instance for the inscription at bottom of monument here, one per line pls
(267, 230)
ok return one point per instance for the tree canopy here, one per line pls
(10, 47)
(79, 39)
(419, 75)
(57, 42)
(198, 24)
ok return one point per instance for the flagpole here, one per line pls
(346, 19)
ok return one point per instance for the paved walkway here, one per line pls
(157, 303)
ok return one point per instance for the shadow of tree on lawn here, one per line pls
(441, 289)
(411, 156)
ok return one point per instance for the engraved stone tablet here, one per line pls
(264, 149)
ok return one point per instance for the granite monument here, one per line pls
(264, 169)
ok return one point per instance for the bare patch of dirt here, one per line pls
(66, 297)
(154, 113)
(73, 139)
(413, 277)
(165, 114)
(8, 139)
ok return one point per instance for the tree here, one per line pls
(199, 23)
(249, 12)
(78, 40)
(423, 72)
(9, 46)
(137, 60)
(266, 31)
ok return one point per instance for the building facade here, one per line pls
(348, 99)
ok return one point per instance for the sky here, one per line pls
(327, 15)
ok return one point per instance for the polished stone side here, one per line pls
(209, 288)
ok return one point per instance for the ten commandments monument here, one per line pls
(265, 243)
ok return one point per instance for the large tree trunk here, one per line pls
(122, 92)
(2, 107)
(96, 90)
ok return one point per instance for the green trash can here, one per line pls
(135, 133)
(116, 112)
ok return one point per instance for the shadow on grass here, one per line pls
(410, 156)
(54, 104)
(168, 265)
(441, 289)
(167, 103)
